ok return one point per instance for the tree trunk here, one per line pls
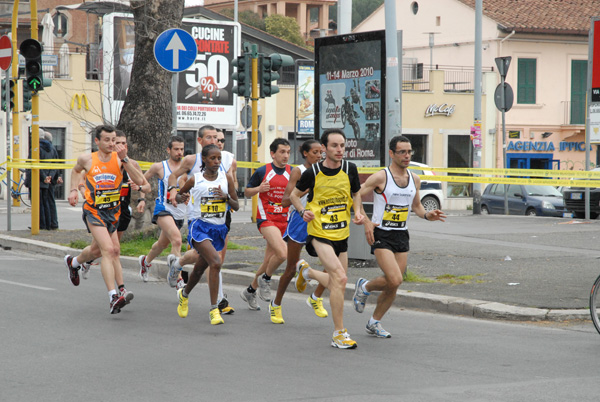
(146, 117)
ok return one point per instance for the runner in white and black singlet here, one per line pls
(395, 194)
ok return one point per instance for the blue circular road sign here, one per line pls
(175, 50)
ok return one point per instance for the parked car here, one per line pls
(523, 200)
(431, 190)
(574, 198)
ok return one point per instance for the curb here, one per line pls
(405, 299)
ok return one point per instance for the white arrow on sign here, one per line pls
(176, 45)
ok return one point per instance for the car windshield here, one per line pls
(545, 191)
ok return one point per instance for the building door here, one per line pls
(578, 89)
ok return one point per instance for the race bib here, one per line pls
(274, 208)
(212, 207)
(334, 217)
(394, 216)
(107, 198)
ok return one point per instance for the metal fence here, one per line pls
(57, 61)
(415, 77)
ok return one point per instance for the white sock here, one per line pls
(364, 288)
(372, 321)
(220, 296)
(74, 262)
(315, 298)
(305, 274)
(111, 293)
(273, 304)
(176, 264)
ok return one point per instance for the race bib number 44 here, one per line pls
(394, 216)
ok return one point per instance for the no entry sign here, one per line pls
(5, 52)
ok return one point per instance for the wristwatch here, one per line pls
(125, 159)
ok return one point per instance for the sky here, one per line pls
(194, 3)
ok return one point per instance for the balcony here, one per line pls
(57, 61)
(456, 78)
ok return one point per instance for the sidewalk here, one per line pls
(515, 268)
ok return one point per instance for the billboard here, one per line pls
(350, 78)
(204, 92)
(305, 97)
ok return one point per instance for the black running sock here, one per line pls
(266, 277)
(250, 289)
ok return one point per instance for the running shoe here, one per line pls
(85, 269)
(173, 272)
(116, 304)
(144, 268)
(342, 340)
(73, 272)
(224, 306)
(182, 308)
(360, 297)
(215, 317)
(250, 298)
(377, 330)
(301, 267)
(127, 295)
(180, 283)
(264, 289)
(317, 305)
(276, 317)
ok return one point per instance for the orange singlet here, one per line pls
(102, 205)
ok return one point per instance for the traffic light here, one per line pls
(268, 71)
(11, 94)
(31, 50)
(241, 78)
(27, 95)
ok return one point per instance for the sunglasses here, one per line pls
(222, 141)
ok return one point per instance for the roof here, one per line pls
(570, 17)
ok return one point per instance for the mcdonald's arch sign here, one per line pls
(80, 99)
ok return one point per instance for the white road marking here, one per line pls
(25, 285)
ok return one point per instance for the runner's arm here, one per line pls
(186, 165)
(285, 201)
(233, 172)
(232, 199)
(77, 176)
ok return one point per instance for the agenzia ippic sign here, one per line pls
(204, 94)
(350, 78)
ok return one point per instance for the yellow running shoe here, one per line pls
(215, 317)
(342, 340)
(182, 308)
(301, 266)
(317, 305)
(276, 317)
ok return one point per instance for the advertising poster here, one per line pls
(305, 106)
(350, 77)
(204, 93)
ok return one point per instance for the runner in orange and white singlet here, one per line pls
(103, 172)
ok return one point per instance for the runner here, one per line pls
(269, 182)
(333, 187)
(207, 135)
(167, 216)
(396, 193)
(212, 190)
(91, 252)
(103, 172)
(295, 236)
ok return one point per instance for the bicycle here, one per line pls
(595, 304)
(22, 191)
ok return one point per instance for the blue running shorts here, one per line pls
(296, 229)
(198, 231)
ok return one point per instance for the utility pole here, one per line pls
(35, 137)
(394, 78)
(477, 142)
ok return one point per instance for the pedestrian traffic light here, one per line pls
(27, 95)
(268, 71)
(241, 77)
(11, 95)
(31, 50)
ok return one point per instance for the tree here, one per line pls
(146, 116)
(247, 17)
(285, 28)
(361, 9)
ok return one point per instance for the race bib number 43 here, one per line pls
(334, 217)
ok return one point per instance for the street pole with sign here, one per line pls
(5, 63)
(503, 97)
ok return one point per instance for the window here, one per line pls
(578, 91)
(419, 145)
(189, 137)
(459, 156)
(526, 70)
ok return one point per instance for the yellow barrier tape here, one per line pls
(518, 172)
